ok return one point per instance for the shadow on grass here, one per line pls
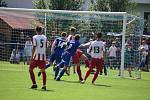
(102, 85)
(47, 90)
(70, 81)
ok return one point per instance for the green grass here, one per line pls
(15, 84)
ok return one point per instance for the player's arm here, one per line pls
(86, 45)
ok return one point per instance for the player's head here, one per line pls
(77, 37)
(63, 34)
(72, 30)
(98, 35)
(38, 30)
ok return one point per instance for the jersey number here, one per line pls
(42, 44)
(96, 49)
(61, 44)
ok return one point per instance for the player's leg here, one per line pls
(92, 65)
(85, 59)
(44, 75)
(79, 72)
(66, 59)
(32, 76)
(57, 68)
(68, 68)
(99, 67)
(48, 64)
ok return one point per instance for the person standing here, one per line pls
(112, 55)
(28, 49)
(38, 57)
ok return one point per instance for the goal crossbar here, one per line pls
(61, 11)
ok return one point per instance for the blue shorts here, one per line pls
(55, 57)
(66, 58)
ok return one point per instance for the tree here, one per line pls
(58, 4)
(100, 5)
(114, 5)
(39, 4)
(53, 24)
(3, 3)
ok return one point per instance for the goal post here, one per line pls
(115, 26)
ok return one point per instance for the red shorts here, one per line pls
(97, 63)
(38, 63)
(76, 57)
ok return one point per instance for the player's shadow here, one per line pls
(47, 90)
(102, 85)
(70, 81)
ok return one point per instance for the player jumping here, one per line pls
(70, 51)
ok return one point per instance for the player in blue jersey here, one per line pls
(57, 49)
(70, 51)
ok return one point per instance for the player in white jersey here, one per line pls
(38, 57)
(98, 54)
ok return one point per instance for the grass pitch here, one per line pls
(15, 83)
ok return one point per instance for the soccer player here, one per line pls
(69, 38)
(76, 60)
(70, 51)
(98, 54)
(38, 57)
(57, 49)
(71, 34)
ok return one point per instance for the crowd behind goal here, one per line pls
(22, 52)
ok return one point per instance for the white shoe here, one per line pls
(82, 82)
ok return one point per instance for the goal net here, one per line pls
(17, 24)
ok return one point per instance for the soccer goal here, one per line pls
(119, 27)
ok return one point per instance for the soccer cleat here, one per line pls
(54, 78)
(67, 73)
(82, 82)
(43, 88)
(57, 79)
(34, 86)
(39, 74)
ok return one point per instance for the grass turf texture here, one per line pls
(15, 84)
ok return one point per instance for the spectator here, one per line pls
(15, 57)
(28, 49)
(145, 46)
(112, 55)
